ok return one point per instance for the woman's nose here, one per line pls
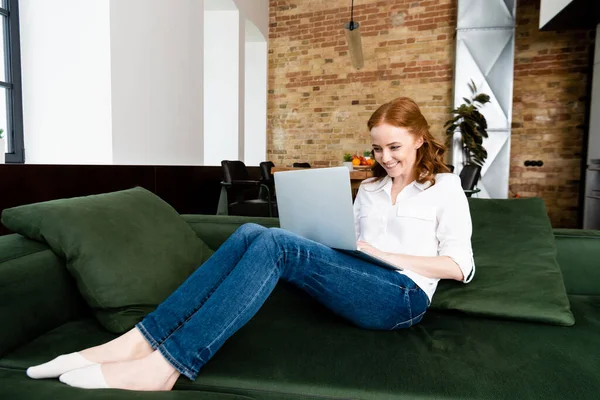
(385, 156)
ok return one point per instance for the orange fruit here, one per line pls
(355, 161)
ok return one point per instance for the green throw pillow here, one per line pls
(127, 250)
(517, 275)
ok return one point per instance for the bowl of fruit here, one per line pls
(362, 162)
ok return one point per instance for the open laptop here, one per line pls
(316, 203)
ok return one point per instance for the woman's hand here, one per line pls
(439, 267)
(366, 247)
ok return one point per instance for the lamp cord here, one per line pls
(352, 16)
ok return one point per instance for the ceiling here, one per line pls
(579, 14)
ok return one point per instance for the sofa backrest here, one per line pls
(578, 250)
(578, 254)
(37, 293)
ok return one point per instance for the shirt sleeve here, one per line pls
(455, 228)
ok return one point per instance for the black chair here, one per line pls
(252, 197)
(266, 177)
(301, 165)
(450, 167)
(469, 176)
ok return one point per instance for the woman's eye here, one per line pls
(395, 147)
(377, 150)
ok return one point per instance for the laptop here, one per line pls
(316, 203)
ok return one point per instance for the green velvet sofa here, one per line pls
(296, 349)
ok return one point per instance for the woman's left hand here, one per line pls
(366, 247)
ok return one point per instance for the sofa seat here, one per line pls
(296, 349)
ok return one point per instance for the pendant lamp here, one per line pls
(354, 41)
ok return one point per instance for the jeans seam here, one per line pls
(409, 302)
(186, 319)
(149, 338)
(356, 272)
(176, 364)
(244, 309)
(411, 320)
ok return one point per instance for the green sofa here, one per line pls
(296, 349)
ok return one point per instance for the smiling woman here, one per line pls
(402, 144)
(418, 222)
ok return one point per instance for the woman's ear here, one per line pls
(419, 142)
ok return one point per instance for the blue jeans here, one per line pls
(229, 288)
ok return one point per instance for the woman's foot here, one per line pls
(129, 346)
(58, 366)
(151, 373)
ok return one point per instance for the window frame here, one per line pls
(9, 9)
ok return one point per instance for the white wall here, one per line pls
(257, 12)
(221, 86)
(255, 132)
(113, 81)
(65, 61)
(157, 76)
(550, 8)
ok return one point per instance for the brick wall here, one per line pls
(318, 105)
(552, 72)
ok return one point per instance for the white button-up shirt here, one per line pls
(425, 221)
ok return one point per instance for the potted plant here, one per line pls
(348, 161)
(2, 146)
(471, 125)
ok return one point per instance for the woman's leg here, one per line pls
(168, 317)
(369, 296)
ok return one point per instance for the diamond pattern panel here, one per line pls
(485, 54)
(485, 13)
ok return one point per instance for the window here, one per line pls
(11, 111)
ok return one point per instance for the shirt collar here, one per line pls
(386, 185)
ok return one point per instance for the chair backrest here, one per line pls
(234, 171)
(265, 172)
(469, 176)
(450, 167)
(301, 165)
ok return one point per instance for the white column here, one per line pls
(65, 63)
(157, 81)
(255, 149)
(221, 86)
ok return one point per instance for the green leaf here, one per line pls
(482, 98)
(467, 100)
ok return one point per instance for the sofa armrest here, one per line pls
(37, 293)
(215, 229)
(578, 252)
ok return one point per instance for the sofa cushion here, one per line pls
(517, 276)
(127, 250)
(294, 348)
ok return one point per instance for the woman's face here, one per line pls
(395, 149)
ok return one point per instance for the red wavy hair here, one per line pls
(403, 112)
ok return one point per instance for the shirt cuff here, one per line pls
(465, 263)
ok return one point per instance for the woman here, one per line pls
(413, 214)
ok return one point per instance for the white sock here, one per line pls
(86, 378)
(58, 366)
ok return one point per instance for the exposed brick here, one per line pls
(549, 103)
(409, 49)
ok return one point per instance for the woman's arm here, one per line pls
(439, 267)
